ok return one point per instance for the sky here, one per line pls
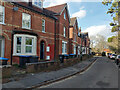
(92, 15)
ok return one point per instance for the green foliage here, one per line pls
(110, 39)
(113, 10)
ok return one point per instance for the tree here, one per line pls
(113, 43)
(98, 43)
(114, 10)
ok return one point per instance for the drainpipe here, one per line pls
(81, 48)
(55, 43)
(11, 48)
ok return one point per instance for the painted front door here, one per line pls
(42, 50)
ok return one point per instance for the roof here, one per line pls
(36, 9)
(107, 50)
(72, 21)
(57, 9)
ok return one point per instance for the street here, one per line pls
(102, 74)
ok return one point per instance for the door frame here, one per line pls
(2, 46)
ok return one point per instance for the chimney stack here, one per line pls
(30, 3)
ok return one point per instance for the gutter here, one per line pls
(30, 8)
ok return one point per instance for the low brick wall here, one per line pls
(6, 71)
(11, 71)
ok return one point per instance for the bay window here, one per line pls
(24, 44)
(64, 47)
(2, 14)
(26, 21)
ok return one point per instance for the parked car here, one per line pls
(117, 60)
(109, 55)
(113, 56)
(103, 54)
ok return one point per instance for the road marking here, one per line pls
(68, 77)
(88, 68)
(57, 82)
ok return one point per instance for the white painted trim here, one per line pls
(3, 14)
(30, 22)
(43, 25)
(64, 47)
(34, 46)
(2, 46)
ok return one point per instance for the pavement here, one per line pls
(43, 78)
(103, 75)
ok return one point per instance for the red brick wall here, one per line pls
(13, 21)
(60, 30)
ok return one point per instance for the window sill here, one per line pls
(43, 32)
(24, 54)
(26, 28)
(2, 23)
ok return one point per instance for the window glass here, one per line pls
(64, 32)
(1, 14)
(64, 47)
(18, 44)
(37, 3)
(43, 25)
(64, 15)
(26, 21)
(29, 45)
(24, 45)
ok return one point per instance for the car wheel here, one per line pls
(119, 65)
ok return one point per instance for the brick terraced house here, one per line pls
(26, 28)
(62, 31)
(73, 36)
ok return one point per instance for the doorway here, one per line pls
(42, 50)
(1, 47)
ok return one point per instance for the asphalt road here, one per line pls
(102, 74)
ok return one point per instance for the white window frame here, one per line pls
(64, 15)
(64, 32)
(48, 49)
(43, 25)
(37, 3)
(2, 46)
(23, 44)
(48, 57)
(74, 49)
(64, 47)
(3, 14)
(29, 21)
